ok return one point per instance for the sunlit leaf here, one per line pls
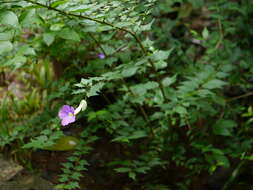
(69, 34)
(8, 18)
(5, 46)
(215, 83)
(122, 170)
(130, 71)
(58, 3)
(48, 38)
(5, 36)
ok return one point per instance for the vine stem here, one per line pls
(133, 34)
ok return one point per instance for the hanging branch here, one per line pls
(113, 26)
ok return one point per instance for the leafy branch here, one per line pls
(141, 108)
(133, 34)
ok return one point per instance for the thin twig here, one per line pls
(239, 97)
(221, 34)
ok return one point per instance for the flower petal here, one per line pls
(65, 110)
(71, 109)
(62, 113)
(101, 56)
(67, 120)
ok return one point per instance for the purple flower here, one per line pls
(66, 114)
(101, 56)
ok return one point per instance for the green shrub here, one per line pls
(167, 81)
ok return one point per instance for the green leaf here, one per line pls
(130, 71)
(137, 135)
(205, 33)
(142, 169)
(85, 7)
(141, 89)
(26, 50)
(64, 178)
(146, 27)
(215, 83)
(181, 110)
(73, 185)
(249, 157)
(69, 34)
(73, 159)
(5, 46)
(132, 175)
(83, 162)
(37, 142)
(80, 168)
(29, 17)
(223, 127)
(222, 160)
(121, 139)
(68, 165)
(57, 26)
(108, 49)
(197, 3)
(205, 92)
(57, 3)
(76, 175)
(167, 81)
(123, 24)
(48, 38)
(44, 140)
(95, 89)
(160, 64)
(5, 36)
(150, 85)
(122, 170)
(162, 55)
(16, 62)
(9, 18)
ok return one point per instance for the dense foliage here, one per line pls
(168, 86)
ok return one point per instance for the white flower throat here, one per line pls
(82, 106)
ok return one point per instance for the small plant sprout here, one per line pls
(67, 113)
